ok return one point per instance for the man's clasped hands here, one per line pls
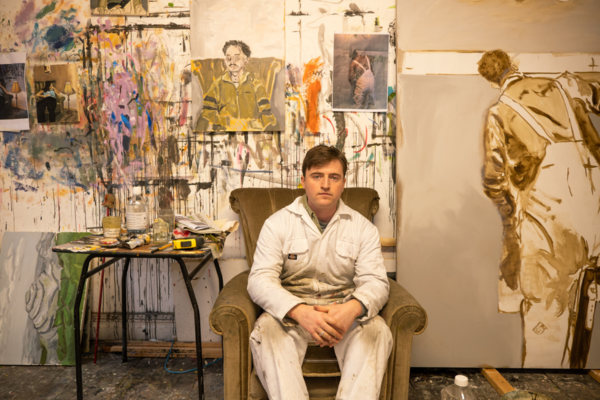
(328, 324)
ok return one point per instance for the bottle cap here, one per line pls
(461, 380)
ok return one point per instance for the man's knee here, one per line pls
(266, 327)
(376, 329)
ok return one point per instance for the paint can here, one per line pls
(111, 227)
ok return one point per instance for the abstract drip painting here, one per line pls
(37, 294)
(237, 65)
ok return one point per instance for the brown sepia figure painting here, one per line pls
(541, 170)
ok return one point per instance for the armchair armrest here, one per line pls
(233, 317)
(406, 318)
(401, 304)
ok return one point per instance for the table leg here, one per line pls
(76, 319)
(199, 358)
(124, 307)
(219, 275)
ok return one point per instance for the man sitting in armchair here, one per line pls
(318, 273)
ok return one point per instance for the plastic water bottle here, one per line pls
(459, 391)
(136, 211)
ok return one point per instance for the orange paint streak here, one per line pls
(311, 80)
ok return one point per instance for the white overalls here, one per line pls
(294, 263)
(364, 91)
(560, 234)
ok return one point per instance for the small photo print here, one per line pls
(360, 71)
(13, 92)
(56, 94)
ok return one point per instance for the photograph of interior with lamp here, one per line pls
(170, 170)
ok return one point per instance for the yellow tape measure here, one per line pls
(188, 244)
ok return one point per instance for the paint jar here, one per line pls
(167, 215)
(160, 232)
(111, 227)
(136, 212)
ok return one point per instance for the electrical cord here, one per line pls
(185, 372)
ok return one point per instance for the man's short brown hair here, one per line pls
(493, 65)
(322, 155)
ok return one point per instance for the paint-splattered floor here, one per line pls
(145, 378)
(140, 378)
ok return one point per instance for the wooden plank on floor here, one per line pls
(161, 349)
(595, 373)
(496, 379)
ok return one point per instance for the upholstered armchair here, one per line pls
(234, 313)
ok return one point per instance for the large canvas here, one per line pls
(360, 73)
(13, 94)
(37, 295)
(237, 65)
(56, 94)
(499, 234)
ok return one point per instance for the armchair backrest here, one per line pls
(255, 205)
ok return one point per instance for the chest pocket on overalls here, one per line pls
(294, 250)
(347, 253)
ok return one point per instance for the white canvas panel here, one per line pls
(451, 234)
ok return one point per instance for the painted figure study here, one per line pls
(238, 75)
(541, 170)
(37, 293)
(237, 100)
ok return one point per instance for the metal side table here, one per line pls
(81, 246)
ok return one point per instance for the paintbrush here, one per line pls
(154, 250)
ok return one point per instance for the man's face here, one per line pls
(235, 59)
(324, 185)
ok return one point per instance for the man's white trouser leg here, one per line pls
(278, 352)
(362, 355)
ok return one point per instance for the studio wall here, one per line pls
(136, 128)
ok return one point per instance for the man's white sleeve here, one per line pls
(370, 278)
(264, 284)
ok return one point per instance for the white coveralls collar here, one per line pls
(298, 208)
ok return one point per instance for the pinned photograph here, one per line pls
(119, 7)
(238, 74)
(55, 94)
(13, 96)
(360, 71)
